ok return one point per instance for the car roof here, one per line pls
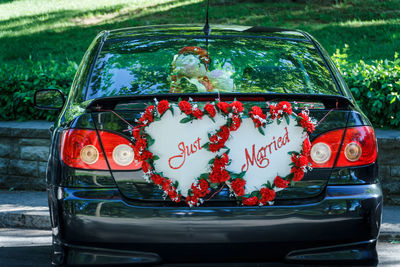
(197, 30)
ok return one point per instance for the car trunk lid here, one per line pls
(118, 114)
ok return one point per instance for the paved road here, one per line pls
(32, 248)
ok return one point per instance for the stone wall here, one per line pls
(389, 164)
(24, 148)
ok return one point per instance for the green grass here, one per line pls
(62, 30)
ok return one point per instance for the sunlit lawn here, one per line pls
(62, 30)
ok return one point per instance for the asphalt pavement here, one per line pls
(27, 247)
(25, 236)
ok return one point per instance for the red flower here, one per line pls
(215, 147)
(266, 195)
(210, 109)
(224, 133)
(145, 155)
(145, 166)
(309, 126)
(236, 121)
(140, 144)
(258, 116)
(203, 184)
(237, 107)
(218, 140)
(252, 201)
(192, 200)
(214, 138)
(162, 106)
(305, 122)
(286, 107)
(302, 161)
(201, 189)
(136, 132)
(166, 185)
(281, 183)
(147, 117)
(223, 106)
(272, 109)
(157, 179)
(197, 113)
(225, 159)
(298, 174)
(185, 106)
(149, 109)
(237, 186)
(306, 147)
(219, 175)
(173, 195)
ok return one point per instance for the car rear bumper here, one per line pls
(345, 222)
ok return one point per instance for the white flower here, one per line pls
(189, 66)
(221, 80)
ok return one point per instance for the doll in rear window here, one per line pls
(190, 73)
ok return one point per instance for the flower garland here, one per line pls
(218, 174)
(299, 164)
(234, 113)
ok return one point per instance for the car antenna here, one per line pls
(206, 28)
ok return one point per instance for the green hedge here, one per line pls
(18, 83)
(375, 86)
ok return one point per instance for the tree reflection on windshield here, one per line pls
(186, 65)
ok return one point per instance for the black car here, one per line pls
(103, 209)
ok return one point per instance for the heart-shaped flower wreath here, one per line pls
(217, 174)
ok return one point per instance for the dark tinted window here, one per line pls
(239, 65)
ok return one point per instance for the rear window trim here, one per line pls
(104, 42)
(130, 38)
(109, 102)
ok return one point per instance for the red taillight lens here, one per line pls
(358, 148)
(81, 149)
(330, 139)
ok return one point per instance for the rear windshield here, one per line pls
(193, 65)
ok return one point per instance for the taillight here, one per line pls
(325, 146)
(81, 149)
(358, 148)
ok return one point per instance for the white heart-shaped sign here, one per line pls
(263, 157)
(179, 146)
(186, 150)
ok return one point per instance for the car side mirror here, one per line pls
(50, 99)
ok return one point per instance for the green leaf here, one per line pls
(287, 119)
(150, 142)
(155, 157)
(261, 130)
(206, 146)
(289, 176)
(186, 120)
(204, 176)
